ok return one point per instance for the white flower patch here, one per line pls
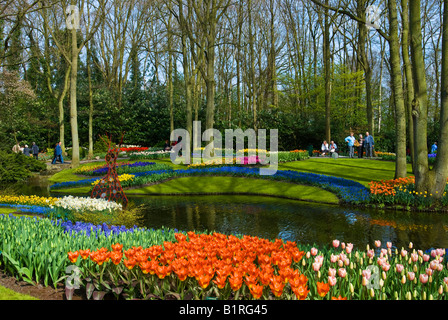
(80, 204)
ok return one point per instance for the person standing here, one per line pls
(26, 151)
(434, 148)
(369, 143)
(351, 144)
(57, 154)
(361, 146)
(35, 151)
(16, 148)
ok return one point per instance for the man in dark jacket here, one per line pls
(35, 150)
(57, 154)
(369, 143)
(26, 151)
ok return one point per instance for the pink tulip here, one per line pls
(332, 281)
(349, 248)
(426, 257)
(445, 280)
(389, 244)
(420, 253)
(340, 263)
(319, 259)
(335, 243)
(343, 245)
(346, 262)
(429, 271)
(403, 253)
(371, 253)
(377, 243)
(434, 264)
(334, 258)
(423, 278)
(411, 276)
(381, 261)
(332, 272)
(342, 272)
(316, 266)
(313, 251)
(386, 266)
(366, 273)
(383, 252)
(440, 267)
(414, 257)
(399, 268)
(365, 281)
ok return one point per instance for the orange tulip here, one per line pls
(73, 256)
(130, 263)
(220, 281)
(145, 267)
(204, 280)
(301, 292)
(235, 282)
(338, 298)
(277, 285)
(323, 288)
(256, 291)
(117, 247)
(84, 254)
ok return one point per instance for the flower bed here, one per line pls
(402, 192)
(149, 155)
(189, 265)
(35, 250)
(61, 208)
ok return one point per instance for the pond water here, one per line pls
(269, 217)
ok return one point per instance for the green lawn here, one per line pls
(7, 294)
(229, 185)
(360, 170)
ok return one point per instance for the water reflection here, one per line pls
(294, 221)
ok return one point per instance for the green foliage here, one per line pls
(132, 216)
(18, 167)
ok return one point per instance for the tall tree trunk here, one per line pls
(73, 101)
(420, 102)
(397, 89)
(89, 76)
(441, 166)
(362, 52)
(170, 75)
(327, 66)
(409, 83)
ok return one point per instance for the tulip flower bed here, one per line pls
(196, 266)
(35, 250)
(402, 192)
(164, 264)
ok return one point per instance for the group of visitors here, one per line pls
(363, 144)
(29, 152)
